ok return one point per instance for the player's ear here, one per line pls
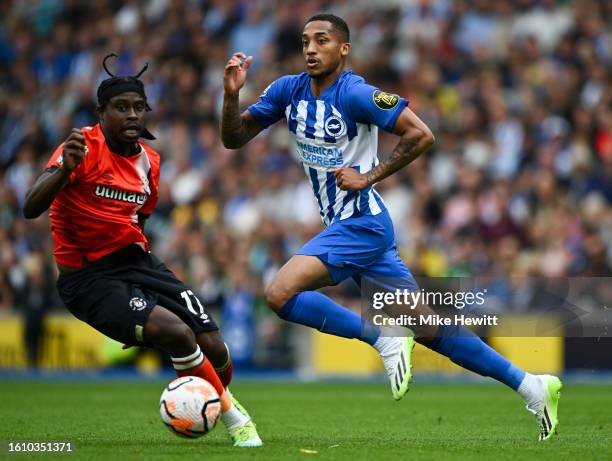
(345, 48)
(100, 111)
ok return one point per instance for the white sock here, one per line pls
(530, 388)
(190, 361)
(233, 418)
(384, 343)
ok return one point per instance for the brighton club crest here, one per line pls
(335, 126)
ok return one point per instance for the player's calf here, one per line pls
(218, 353)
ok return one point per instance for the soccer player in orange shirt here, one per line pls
(101, 185)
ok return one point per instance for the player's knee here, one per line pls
(181, 335)
(277, 297)
(213, 347)
(170, 334)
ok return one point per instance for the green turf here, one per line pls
(119, 420)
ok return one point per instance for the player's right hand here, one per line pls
(234, 74)
(74, 150)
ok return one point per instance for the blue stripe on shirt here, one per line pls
(347, 199)
(311, 119)
(356, 199)
(331, 195)
(364, 199)
(351, 128)
(314, 177)
(292, 122)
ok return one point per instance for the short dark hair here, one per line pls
(337, 23)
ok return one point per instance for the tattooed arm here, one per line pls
(236, 129)
(416, 138)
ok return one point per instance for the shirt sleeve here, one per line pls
(57, 160)
(272, 103)
(368, 104)
(149, 205)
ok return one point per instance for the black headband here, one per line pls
(114, 86)
(117, 85)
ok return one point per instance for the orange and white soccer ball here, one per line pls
(190, 406)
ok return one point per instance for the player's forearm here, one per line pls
(410, 146)
(40, 197)
(233, 133)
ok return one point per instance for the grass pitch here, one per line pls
(120, 421)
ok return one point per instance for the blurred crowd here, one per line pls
(518, 94)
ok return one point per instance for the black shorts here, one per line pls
(116, 294)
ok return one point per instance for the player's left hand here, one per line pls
(350, 179)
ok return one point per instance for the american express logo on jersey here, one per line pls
(319, 155)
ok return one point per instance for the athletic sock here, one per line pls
(225, 371)
(196, 365)
(469, 351)
(233, 418)
(530, 388)
(384, 344)
(316, 310)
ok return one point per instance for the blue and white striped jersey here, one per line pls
(337, 129)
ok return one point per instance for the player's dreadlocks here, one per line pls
(116, 85)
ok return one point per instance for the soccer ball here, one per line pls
(190, 406)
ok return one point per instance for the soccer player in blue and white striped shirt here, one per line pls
(334, 118)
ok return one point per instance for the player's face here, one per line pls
(123, 117)
(322, 48)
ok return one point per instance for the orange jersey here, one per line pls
(97, 212)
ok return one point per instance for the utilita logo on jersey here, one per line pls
(123, 195)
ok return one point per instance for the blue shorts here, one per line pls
(361, 247)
